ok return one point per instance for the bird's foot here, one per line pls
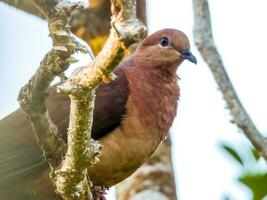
(99, 192)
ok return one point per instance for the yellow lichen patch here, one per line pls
(80, 32)
(97, 43)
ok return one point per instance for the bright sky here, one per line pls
(202, 170)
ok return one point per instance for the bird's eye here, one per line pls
(164, 41)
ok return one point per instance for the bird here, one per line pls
(132, 116)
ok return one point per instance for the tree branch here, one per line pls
(71, 179)
(32, 96)
(91, 24)
(25, 5)
(206, 45)
(126, 29)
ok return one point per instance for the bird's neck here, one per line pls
(155, 93)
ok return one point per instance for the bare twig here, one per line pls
(154, 180)
(206, 45)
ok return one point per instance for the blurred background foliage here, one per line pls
(253, 172)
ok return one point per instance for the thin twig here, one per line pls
(206, 45)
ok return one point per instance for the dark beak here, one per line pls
(186, 54)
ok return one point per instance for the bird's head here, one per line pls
(166, 48)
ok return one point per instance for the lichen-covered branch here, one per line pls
(126, 30)
(32, 96)
(71, 179)
(206, 45)
(154, 180)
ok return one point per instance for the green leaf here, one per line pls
(232, 153)
(255, 153)
(256, 183)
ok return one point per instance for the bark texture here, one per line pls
(126, 29)
(32, 100)
(33, 95)
(70, 176)
(206, 45)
